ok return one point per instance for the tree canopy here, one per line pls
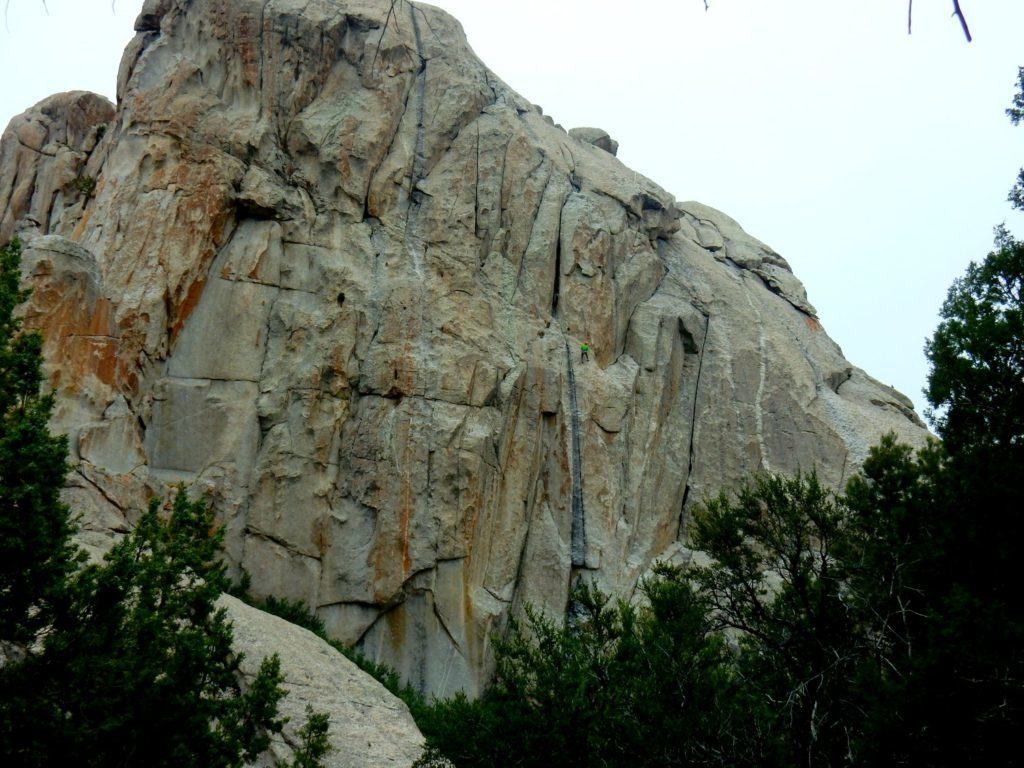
(976, 382)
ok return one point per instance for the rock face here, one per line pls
(597, 137)
(323, 265)
(369, 727)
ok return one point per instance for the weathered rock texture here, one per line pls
(597, 137)
(369, 728)
(324, 265)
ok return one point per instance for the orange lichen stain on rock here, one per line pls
(130, 337)
(404, 516)
(83, 221)
(183, 309)
(201, 173)
(812, 323)
(406, 501)
(404, 372)
(83, 356)
(321, 535)
(126, 376)
(470, 515)
(79, 332)
(344, 166)
(247, 47)
(101, 320)
(391, 558)
(395, 618)
(467, 603)
(98, 356)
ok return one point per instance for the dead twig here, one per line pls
(963, 22)
(957, 12)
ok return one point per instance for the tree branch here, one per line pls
(963, 22)
(956, 12)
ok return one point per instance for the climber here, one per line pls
(584, 351)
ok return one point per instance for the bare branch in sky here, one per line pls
(963, 22)
(956, 12)
(910, 17)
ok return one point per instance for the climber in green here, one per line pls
(584, 351)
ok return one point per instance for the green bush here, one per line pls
(618, 685)
(86, 185)
(139, 670)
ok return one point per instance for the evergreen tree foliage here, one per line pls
(893, 556)
(1016, 114)
(776, 580)
(946, 647)
(36, 553)
(618, 685)
(976, 381)
(1016, 109)
(140, 670)
(976, 386)
(313, 743)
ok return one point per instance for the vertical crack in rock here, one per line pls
(762, 375)
(531, 239)
(556, 287)
(578, 534)
(456, 645)
(414, 248)
(693, 423)
(421, 86)
(842, 473)
(476, 182)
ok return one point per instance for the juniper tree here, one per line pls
(140, 670)
(775, 582)
(976, 382)
(616, 685)
(976, 390)
(1016, 114)
(36, 550)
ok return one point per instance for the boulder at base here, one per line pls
(370, 728)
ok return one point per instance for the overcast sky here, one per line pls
(876, 163)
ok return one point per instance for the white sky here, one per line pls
(876, 163)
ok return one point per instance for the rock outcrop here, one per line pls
(369, 728)
(325, 266)
(597, 137)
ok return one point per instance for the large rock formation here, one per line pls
(369, 728)
(322, 264)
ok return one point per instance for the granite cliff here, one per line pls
(323, 265)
